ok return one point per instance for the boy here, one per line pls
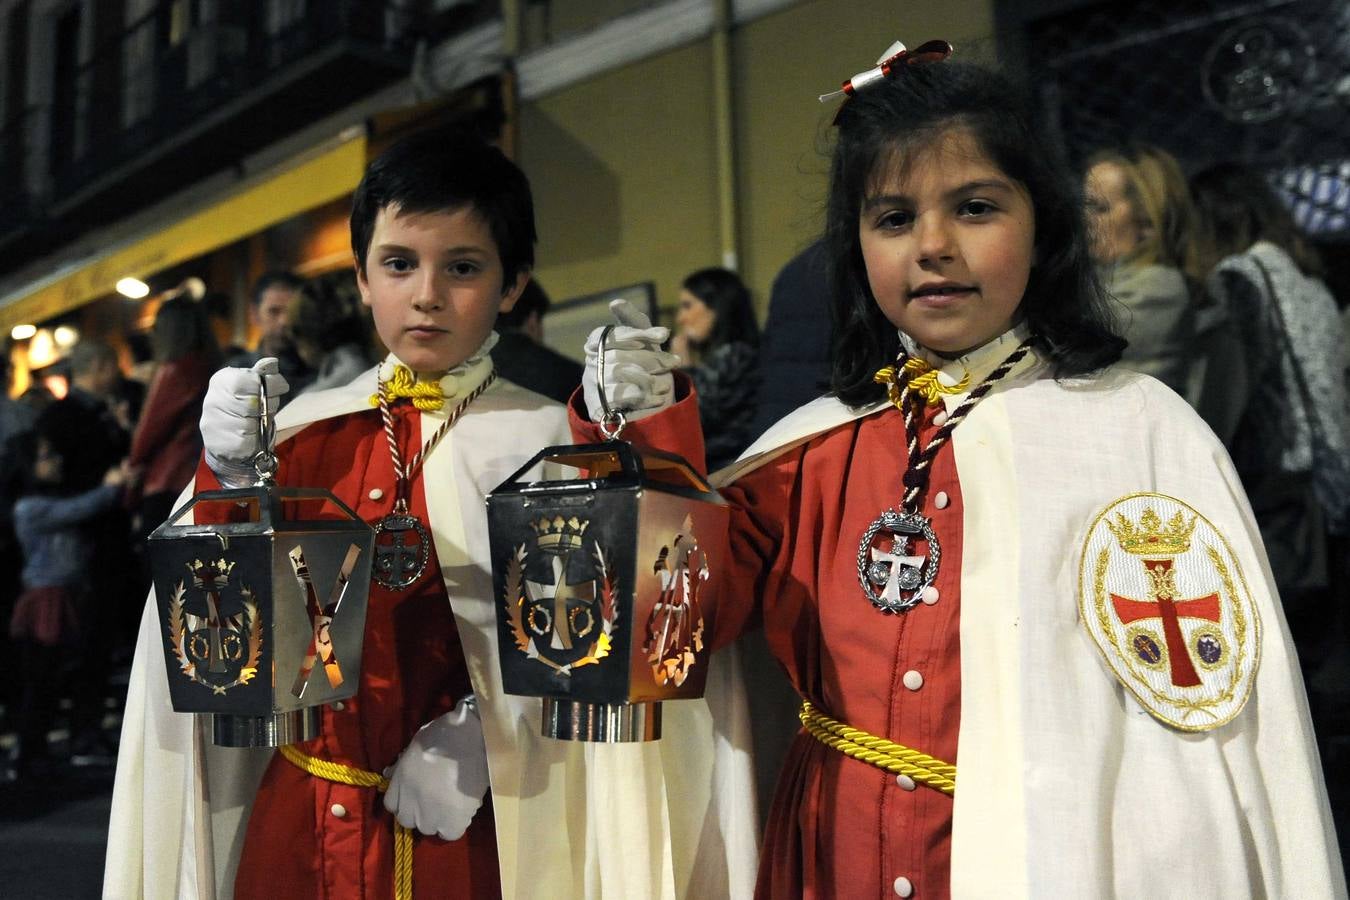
(442, 232)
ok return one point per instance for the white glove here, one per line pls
(230, 419)
(439, 781)
(637, 372)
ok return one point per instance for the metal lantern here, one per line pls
(262, 611)
(604, 587)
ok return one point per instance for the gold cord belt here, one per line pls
(350, 775)
(895, 758)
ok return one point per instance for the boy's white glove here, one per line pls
(230, 419)
(439, 781)
(637, 371)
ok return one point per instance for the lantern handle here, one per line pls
(612, 421)
(264, 461)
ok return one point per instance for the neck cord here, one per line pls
(910, 402)
(403, 476)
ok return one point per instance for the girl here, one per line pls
(992, 560)
(717, 335)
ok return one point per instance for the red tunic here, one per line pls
(308, 837)
(839, 827)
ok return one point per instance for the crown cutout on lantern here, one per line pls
(217, 572)
(1151, 536)
(559, 534)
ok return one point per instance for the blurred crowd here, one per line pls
(87, 476)
(1219, 295)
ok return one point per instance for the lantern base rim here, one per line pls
(265, 731)
(605, 723)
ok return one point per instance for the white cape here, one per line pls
(673, 818)
(1068, 788)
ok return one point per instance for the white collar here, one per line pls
(459, 381)
(976, 364)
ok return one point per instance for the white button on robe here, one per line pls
(912, 680)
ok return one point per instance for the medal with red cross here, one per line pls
(1163, 597)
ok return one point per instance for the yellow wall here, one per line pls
(624, 166)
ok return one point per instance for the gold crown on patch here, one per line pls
(1151, 536)
(560, 534)
(210, 571)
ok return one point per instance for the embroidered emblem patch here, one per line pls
(1163, 597)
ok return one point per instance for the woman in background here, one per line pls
(166, 443)
(719, 341)
(1141, 226)
(1292, 445)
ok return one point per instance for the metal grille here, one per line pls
(1263, 83)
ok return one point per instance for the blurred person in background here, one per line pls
(87, 429)
(269, 311)
(57, 615)
(1142, 228)
(718, 339)
(16, 425)
(1292, 445)
(520, 355)
(331, 330)
(166, 442)
(795, 344)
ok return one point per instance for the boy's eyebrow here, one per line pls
(981, 184)
(391, 246)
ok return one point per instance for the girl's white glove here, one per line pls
(637, 371)
(439, 781)
(230, 419)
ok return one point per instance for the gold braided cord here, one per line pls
(350, 775)
(892, 757)
(921, 377)
(425, 395)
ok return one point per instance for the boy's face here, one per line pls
(433, 282)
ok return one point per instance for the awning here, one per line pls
(312, 182)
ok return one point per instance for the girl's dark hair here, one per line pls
(443, 169)
(1064, 305)
(183, 328)
(1237, 208)
(733, 314)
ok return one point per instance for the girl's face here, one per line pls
(948, 244)
(695, 319)
(1113, 223)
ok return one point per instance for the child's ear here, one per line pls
(362, 284)
(511, 293)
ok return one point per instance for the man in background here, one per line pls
(270, 312)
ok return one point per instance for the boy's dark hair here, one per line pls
(275, 278)
(1237, 208)
(733, 314)
(1064, 304)
(533, 300)
(444, 169)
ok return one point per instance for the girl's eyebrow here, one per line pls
(970, 187)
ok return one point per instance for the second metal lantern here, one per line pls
(604, 585)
